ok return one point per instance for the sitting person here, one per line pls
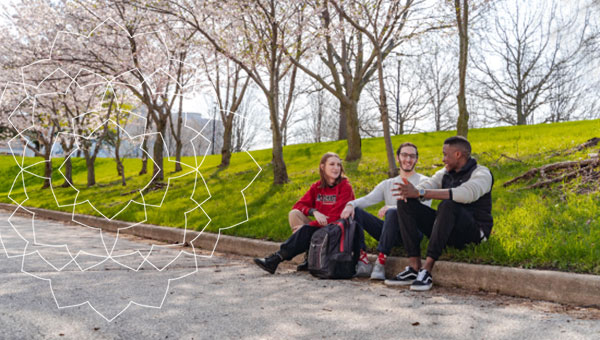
(325, 200)
(464, 216)
(387, 232)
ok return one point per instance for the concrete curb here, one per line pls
(561, 287)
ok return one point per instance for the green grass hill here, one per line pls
(552, 228)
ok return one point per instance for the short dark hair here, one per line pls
(406, 144)
(460, 142)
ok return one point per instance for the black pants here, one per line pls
(386, 232)
(299, 242)
(452, 224)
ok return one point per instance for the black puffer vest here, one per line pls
(482, 208)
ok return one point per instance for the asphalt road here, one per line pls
(65, 287)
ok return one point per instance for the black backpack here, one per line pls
(334, 251)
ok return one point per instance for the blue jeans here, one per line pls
(387, 232)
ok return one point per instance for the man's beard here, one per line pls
(408, 170)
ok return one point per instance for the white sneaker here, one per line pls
(378, 272)
(363, 269)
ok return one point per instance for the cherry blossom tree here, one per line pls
(229, 83)
(252, 34)
(132, 48)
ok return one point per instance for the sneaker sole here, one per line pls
(260, 264)
(398, 283)
(421, 288)
(375, 278)
(362, 275)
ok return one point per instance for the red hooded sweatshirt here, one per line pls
(329, 201)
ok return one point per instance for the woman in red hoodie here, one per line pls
(325, 200)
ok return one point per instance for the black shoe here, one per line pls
(303, 267)
(270, 263)
(405, 278)
(423, 282)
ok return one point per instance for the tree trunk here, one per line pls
(120, 167)
(343, 126)
(462, 19)
(47, 170)
(144, 169)
(121, 170)
(354, 142)
(226, 149)
(178, 143)
(385, 120)
(91, 173)
(521, 119)
(157, 153)
(280, 175)
(68, 173)
(178, 149)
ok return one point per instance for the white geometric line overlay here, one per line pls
(41, 247)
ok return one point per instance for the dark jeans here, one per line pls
(299, 242)
(452, 224)
(387, 232)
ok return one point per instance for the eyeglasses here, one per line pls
(408, 155)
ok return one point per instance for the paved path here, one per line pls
(229, 297)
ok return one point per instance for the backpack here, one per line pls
(334, 251)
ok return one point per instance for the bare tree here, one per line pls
(406, 91)
(461, 8)
(386, 20)
(535, 51)
(439, 81)
(321, 120)
(342, 32)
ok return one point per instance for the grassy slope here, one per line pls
(535, 228)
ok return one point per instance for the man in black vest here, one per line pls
(464, 216)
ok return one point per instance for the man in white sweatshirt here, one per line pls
(464, 215)
(387, 231)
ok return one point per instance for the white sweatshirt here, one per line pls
(478, 185)
(383, 192)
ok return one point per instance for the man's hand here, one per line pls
(322, 219)
(405, 190)
(382, 211)
(348, 211)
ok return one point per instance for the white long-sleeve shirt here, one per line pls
(470, 191)
(383, 192)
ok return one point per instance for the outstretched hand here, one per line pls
(405, 190)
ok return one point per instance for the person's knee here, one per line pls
(391, 213)
(297, 218)
(447, 205)
(295, 213)
(359, 212)
(402, 206)
(361, 216)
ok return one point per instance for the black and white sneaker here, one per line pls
(405, 278)
(423, 282)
